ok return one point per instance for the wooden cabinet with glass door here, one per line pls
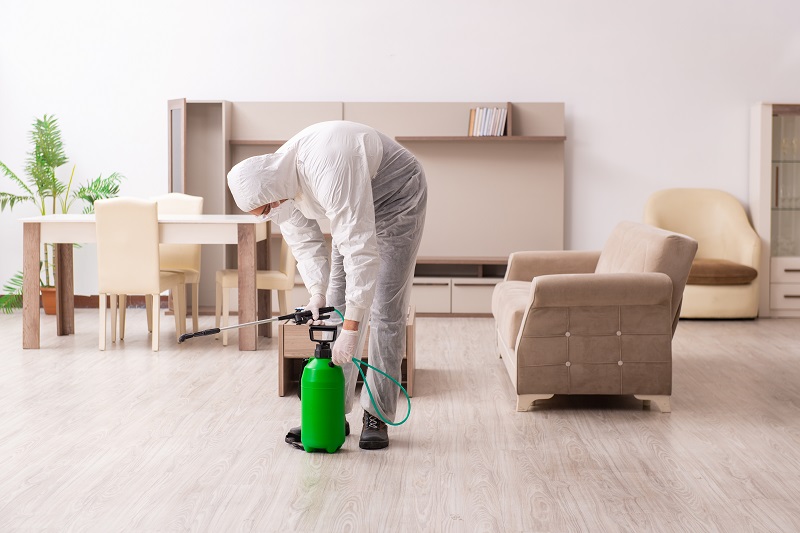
(775, 205)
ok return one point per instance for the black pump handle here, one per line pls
(301, 317)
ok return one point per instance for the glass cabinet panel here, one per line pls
(785, 202)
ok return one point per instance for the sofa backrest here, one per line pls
(635, 247)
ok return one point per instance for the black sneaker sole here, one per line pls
(373, 445)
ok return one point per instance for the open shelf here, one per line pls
(251, 142)
(503, 138)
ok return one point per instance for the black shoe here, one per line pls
(293, 437)
(375, 434)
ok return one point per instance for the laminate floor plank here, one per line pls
(191, 439)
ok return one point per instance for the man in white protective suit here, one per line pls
(373, 192)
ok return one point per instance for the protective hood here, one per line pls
(262, 179)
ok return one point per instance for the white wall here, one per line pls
(657, 93)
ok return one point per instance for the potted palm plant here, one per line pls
(50, 195)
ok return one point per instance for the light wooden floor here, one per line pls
(191, 439)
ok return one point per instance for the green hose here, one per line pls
(358, 362)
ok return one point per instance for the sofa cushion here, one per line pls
(720, 272)
(510, 300)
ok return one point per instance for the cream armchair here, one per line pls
(723, 282)
(594, 322)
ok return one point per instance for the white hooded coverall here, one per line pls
(374, 193)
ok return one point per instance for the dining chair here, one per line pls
(281, 280)
(128, 263)
(184, 258)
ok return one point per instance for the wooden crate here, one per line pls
(294, 346)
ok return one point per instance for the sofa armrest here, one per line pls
(571, 290)
(524, 266)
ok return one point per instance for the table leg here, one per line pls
(247, 286)
(264, 296)
(65, 291)
(31, 255)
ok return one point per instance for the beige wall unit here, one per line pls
(488, 196)
(431, 295)
(472, 295)
(775, 205)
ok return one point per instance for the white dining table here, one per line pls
(65, 230)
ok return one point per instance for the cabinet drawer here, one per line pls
(431, 295)
(785, 270)
(473, 295)
(784, 295)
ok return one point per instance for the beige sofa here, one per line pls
(572, 322)
(723, 282)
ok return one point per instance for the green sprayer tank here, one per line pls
(322, 396)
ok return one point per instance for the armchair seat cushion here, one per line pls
(720, 272)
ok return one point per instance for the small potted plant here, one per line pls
(50, 195)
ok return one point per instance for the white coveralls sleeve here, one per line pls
(307, 242)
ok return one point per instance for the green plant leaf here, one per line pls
(8, 199)
(12, 294)
(99, 188)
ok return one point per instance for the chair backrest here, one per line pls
(635, 247)
(712, 217)
(127, 246)
(180, 256)
(288, 264)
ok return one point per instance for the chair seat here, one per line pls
(190, 275)
(720, 272)
(265, 279)
(167, 280)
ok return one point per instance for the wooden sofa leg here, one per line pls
(525, 401)
(661, 401)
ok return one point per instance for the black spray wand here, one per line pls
(300, 317)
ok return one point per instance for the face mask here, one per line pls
(279, 214)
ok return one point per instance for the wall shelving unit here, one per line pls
(488, 196)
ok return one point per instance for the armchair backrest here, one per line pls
(635, 247)
(715, 218)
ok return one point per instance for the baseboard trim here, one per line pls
(93, 301)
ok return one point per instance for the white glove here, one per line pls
(317, 301)
(345, 347)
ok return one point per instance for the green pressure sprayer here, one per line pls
(322, 392)
(322, 396)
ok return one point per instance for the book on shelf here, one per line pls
(487, 121)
